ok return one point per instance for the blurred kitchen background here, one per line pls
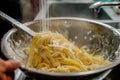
(32, 9)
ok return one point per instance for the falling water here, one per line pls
(45, 22)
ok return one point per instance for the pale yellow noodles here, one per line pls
(52, 52)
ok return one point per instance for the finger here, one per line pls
(5, 67)
(2, 76)
(2, 65)
(11, 65)
(11, 74)
(8, 78)
(5, 77)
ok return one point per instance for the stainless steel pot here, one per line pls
(94, 34)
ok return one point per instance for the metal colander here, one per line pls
(97, 36)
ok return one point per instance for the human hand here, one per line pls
(7, 69)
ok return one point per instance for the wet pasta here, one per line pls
(52, 52)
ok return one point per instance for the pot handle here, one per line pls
(103, 75)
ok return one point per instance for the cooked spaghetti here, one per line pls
(52, 52)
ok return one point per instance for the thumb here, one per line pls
(11, 65)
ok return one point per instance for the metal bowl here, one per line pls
(94, 34)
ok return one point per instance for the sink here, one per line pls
(80, 10)
(114, 24)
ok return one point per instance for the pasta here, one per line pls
(52, 52)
